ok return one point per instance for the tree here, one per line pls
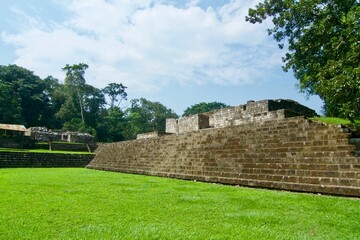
(80, 96)
(93, 103)
(323, 41)
(8, 98)
(203, 107)
(22, 90)
(74, 85)
(116, 93)
(54, 92)
(113, 125)
(146, 116)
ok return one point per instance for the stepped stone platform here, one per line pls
(39, 160)
(278, 152)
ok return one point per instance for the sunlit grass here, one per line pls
(342, 121)
(88, 204)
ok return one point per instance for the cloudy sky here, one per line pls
(177, 52)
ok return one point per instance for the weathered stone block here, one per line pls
(267, 154)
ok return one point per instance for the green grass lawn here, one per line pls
(80, 203)
(334, 120)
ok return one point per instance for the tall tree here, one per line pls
(54, 91)
(94, 102)
(10, 105)
(116, 93)
(113, 125)
(146, 116)
(203, 107)
(322, 37)
(23, 89)
(74, 86)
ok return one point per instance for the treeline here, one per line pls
(75, 105)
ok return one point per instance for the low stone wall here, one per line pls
(80, 147)
(290, 154)
(26, 160)
(10, 143)
(148, 135)
(44, 134)
(253, 111)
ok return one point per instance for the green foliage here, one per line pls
(86, 204)
(74, 91)
(203, 107)
(23, 91)
(77, 106)
(146, 116)
(8, 97)
(83, 103)
(324, 49)
(116, 93)
(55, 99)
(113, 126)
(94, 102)
(346, 122)
(77, 125)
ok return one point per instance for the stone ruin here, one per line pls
(267, 144)
(252, 111)
(43, 134)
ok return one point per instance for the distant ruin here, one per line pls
(46, 135)
(252, 111)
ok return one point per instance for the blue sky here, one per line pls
(177, 52)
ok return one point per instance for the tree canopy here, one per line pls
(116, 93)
(74, 89)
(22, 96)
(75, 105)
(147, 116)
(323, 41)
(203, 107)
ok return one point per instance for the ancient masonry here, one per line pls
(266, 143)
(44, 134)
(40, 160)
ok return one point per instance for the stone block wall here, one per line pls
(73, 147)
(10, 143)
(172, 125)
(26, 160)
(253, 111)
(226, 117)
(188, 124)
(148, 135)
(290, 154)
(45, 135)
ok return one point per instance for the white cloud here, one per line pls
(149, 44)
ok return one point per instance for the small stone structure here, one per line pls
(46, 135)
(253, 111)
(12, 135)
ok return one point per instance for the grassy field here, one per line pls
(87, 204)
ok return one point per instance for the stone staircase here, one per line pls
(290, 154)
(36, 160)
(356, 142)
